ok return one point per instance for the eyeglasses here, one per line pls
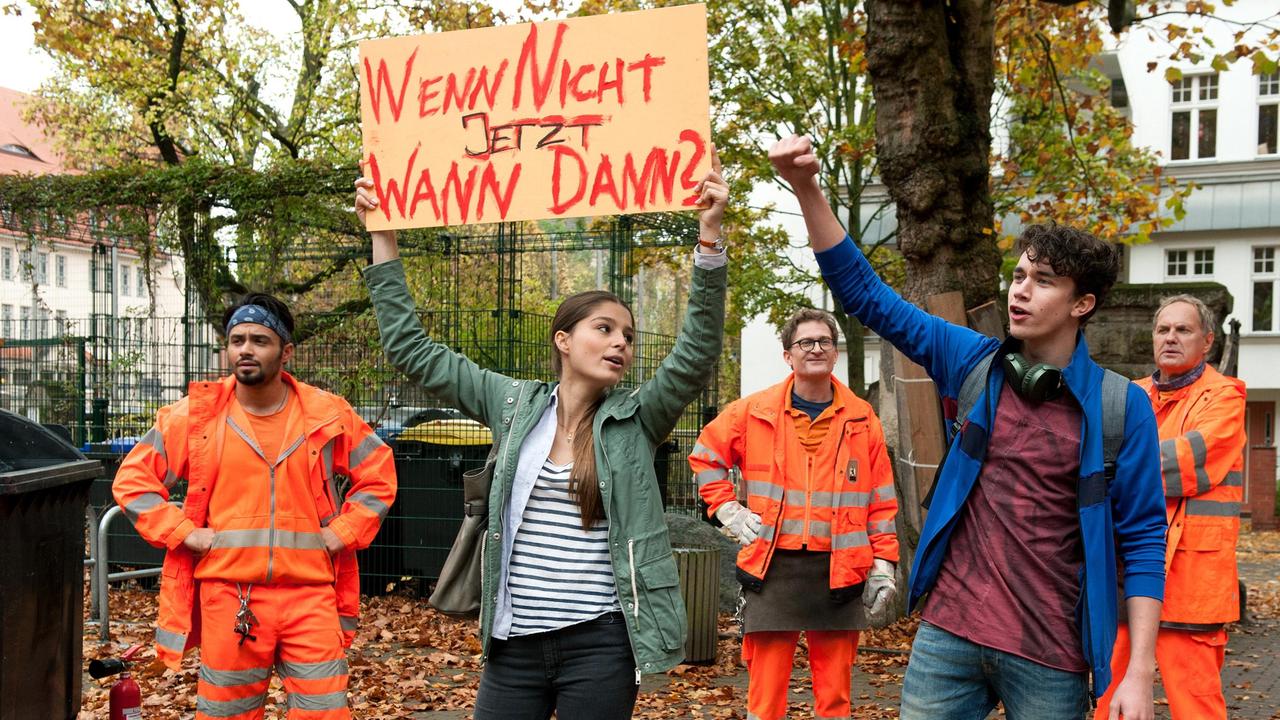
(807, 344)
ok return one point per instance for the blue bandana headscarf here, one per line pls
(261, 316)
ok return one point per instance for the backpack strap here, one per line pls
(1115, 392)
(970, 390)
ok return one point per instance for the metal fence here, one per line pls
(96, 340)
(105, 391)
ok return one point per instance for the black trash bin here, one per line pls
(419, 530)
(44, 488)
(662, 468)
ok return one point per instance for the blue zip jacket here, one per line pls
(1128, 517)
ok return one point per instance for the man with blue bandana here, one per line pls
(261, 566)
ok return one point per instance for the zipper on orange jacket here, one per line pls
(808, 499)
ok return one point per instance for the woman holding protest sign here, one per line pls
(580, 591)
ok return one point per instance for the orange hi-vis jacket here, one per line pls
(1202, 440)
(839, 498)
(266, 519)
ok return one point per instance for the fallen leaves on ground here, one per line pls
(409, 658)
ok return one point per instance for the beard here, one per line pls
(251, 376)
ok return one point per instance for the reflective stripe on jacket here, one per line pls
(839, 499)
(186, 444)
(1202, 441)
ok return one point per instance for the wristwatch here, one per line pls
(715, 246)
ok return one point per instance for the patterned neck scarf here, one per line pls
(1179, 382)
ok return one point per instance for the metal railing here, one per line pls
(100, 575)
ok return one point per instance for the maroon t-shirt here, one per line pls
(1009, 580)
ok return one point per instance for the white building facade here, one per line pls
(1217, 129)
(83, 324)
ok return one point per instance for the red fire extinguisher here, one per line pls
(126, 697)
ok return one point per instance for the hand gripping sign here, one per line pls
(599, 115)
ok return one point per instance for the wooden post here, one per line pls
(921, 435)
(987, 320)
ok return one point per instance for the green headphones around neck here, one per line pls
(1038, 382)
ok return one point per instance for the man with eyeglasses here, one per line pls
(819, 546)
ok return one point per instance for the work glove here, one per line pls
(738, 522)
(880, 590)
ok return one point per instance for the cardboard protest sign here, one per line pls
(589, 116)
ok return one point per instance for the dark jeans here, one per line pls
(582, 672)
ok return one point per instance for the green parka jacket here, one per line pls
(628, 427)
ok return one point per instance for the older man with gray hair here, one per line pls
(1201, 417)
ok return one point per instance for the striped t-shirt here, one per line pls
(559, 575)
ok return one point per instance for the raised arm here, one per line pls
(687, 370)
(796, 162)
(449, 376)
(946, 351)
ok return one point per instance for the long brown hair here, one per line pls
(583, 480)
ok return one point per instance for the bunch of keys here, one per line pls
(245, 619)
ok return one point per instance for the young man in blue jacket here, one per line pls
(1018, 554)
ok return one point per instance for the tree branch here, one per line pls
(1066, 113)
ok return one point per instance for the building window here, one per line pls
(1195, 118)
(60, 319)
(60, 270)
(1119, 94)
(6, 320)
(1268, 109)
(124, 279)
(6, 263)
(42, 268)
(142, 282)
(1188, 263)
(24, 322)
(1202, 262)
(24, 264)
(1264, 289)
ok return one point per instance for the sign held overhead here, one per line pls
(600, 115)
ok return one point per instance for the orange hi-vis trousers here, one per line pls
(770, 655)
(297, 633)
(1190, 665)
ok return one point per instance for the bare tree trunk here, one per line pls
(932, 75)
(931, 65)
